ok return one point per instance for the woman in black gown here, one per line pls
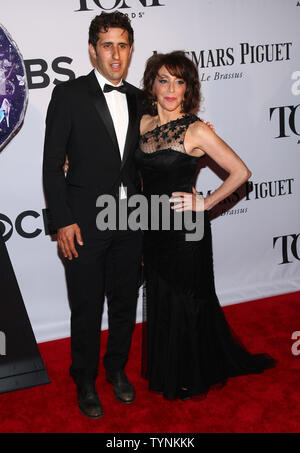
(188, 347)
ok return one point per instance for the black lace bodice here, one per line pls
(167, 136)
(163, 161)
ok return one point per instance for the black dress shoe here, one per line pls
(123, 389)
(88, 400)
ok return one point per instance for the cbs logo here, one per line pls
(7, 226)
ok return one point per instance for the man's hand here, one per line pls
(208, 124)
(66, 166)
(65, 239)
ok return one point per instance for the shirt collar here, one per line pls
(102, 80)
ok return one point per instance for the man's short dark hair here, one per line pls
(104, 21)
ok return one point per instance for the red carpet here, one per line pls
(266, 403)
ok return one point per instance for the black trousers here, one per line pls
(109, 263)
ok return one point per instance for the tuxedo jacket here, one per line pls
(79, 124)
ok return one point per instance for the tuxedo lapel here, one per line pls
(98, 99)
(132, 125)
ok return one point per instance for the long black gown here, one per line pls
(188, 346)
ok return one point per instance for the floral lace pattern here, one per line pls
(167, 136)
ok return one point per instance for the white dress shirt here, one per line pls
(117, 105)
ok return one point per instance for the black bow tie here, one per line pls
(107, 88)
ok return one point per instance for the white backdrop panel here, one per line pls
(238, 91)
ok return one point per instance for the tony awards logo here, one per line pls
(88, 5)
(13, 88)
(287, 117)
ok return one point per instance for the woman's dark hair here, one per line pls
(179, 66)
(104, 21)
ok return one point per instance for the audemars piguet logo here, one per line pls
(211, 62)
(245, 53)
(254, 190)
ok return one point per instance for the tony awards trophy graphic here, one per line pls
(21, 365)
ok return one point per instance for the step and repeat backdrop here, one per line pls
(247, 54)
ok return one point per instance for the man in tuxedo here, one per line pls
(94, 120)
